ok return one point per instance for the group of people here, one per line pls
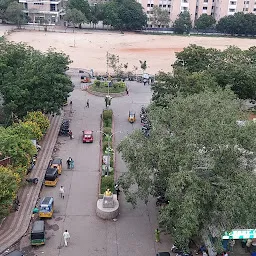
(70, 163)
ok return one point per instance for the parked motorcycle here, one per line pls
(32, 180)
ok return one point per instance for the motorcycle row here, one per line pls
(64, 128)
(146, 125)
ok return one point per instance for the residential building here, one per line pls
(216, 8)
(44, 11)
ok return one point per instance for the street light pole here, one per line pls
(109, 137)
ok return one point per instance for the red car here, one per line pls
(87, 136)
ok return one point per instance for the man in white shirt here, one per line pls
(62, 192)
(66, 236)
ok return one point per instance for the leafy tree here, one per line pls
(74, 16)
(83, 6)
(181, 82)
(124, 15)
(239, 23)
(31, 80)
(18, 148)
(15, 14)
(232, 67)
(3, 6)
(28, 130)
(183, 23)
(8, 190)
(97, 14)
(160, 17)
(143, 65)
(197, 157)
(40, 119)
(204, 22)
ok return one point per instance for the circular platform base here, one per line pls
(107, 213)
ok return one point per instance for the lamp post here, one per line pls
(109, 136)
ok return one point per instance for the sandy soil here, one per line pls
(91, 47)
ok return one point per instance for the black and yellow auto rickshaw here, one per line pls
(131, 117)
(51, 177)
(46, 207)
(37, 235)
(56, 163)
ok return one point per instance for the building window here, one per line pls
(205, 8)
(232, 2)
(169, 5)
(246, 2)
(185, 1)
(152, 5)
(184, 8)
(254, 9)
(25, 6)
(160, 5)
(205, 1)
(231, 10)
(169, 12)
(148, 12)
(38, 3)
(245, 9)
(52, 7)
(164, 5)
(148, 5)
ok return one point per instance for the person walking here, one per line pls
(69, 162)
(157, 235)
(88, 104)
(72, 164)
(127, 91)
(66, 236)
(62, 192)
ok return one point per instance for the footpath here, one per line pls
(16, 224)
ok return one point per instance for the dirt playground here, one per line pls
(88, 49)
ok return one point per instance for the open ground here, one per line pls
(88, 49)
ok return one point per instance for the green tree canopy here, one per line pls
(31, 80)
(15, 14)
(232, 67)
(183, 23)
(74, 16)
(8, 190)
(240, 23)
(204, 22)
(124, 15)
(197, 157)
(160, 17)
(82, 6)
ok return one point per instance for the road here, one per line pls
(133, 232)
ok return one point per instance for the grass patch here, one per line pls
(116, 87)
(107, 182)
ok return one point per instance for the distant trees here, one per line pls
(240, 24)
(160, 17)
(124, 15)
(204, 22)
(183, 23)
(74, 16)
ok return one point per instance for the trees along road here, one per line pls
(133, 232)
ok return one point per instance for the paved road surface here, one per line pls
(133, 232)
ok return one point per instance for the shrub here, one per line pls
(107, 130)
(107, 182)
(105, 145)
(97, 83)
(121, 84)
(107, 123)
(107, 114)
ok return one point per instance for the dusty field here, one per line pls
(91, 47)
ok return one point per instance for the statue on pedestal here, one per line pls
(108, 201)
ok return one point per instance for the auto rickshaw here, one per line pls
(37, 235)
(85, 79)
(51, 177)
(56, 163)
(131, 117)
(46, 207)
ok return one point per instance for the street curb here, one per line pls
(19, 226)
(101, 94)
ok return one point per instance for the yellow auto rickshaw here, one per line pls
(46, 207)
(56, 163)
(131, 117)
(51, 177)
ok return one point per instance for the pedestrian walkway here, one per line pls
(16, 224)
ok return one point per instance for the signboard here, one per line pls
(240, 234)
